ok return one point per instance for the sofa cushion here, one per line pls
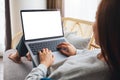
(14, 71)
(78, 41)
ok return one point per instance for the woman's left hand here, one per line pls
(66, 49)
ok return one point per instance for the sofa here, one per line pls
(77, 32)
(14, 71)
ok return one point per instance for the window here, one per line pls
(2, 27)
(81, 9)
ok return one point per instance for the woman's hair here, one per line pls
(108, 22)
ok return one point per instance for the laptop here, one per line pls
(42, 29)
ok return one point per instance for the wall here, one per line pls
(17, 5)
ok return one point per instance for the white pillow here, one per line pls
(77, 41)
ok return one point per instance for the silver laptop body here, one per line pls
(42, 27)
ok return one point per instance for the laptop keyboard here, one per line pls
(35, 47)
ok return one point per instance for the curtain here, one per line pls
(8, 26)
(2, 26)
(56, 4)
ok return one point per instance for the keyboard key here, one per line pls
(35, 47)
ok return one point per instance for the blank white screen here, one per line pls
(41, 24)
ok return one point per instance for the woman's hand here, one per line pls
(46, 57)
(67, 49)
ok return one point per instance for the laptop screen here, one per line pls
(39, 24)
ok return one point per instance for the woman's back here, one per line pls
(83, 66)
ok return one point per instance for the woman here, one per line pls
(108, 24)
(101, 66)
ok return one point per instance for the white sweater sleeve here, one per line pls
(37, 73)
(79, 51)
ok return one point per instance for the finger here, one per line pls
(43, 50)
(28, 52)
(64, 52)
(63, 43)
(49, 51)
(53, 57)
(39, 53)
(46, 50)
(61, 47)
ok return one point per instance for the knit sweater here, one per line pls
(83, 66)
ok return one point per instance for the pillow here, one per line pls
(77, 41)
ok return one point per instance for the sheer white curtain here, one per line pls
(2, 26)
(81, 9)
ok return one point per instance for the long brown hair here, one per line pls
(108, 22)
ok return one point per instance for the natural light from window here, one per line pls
(2, 26)
(81, 9)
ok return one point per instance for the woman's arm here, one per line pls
(46, 59)
(37, 73)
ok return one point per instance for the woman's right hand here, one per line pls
(67, 49)
(46, 57)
